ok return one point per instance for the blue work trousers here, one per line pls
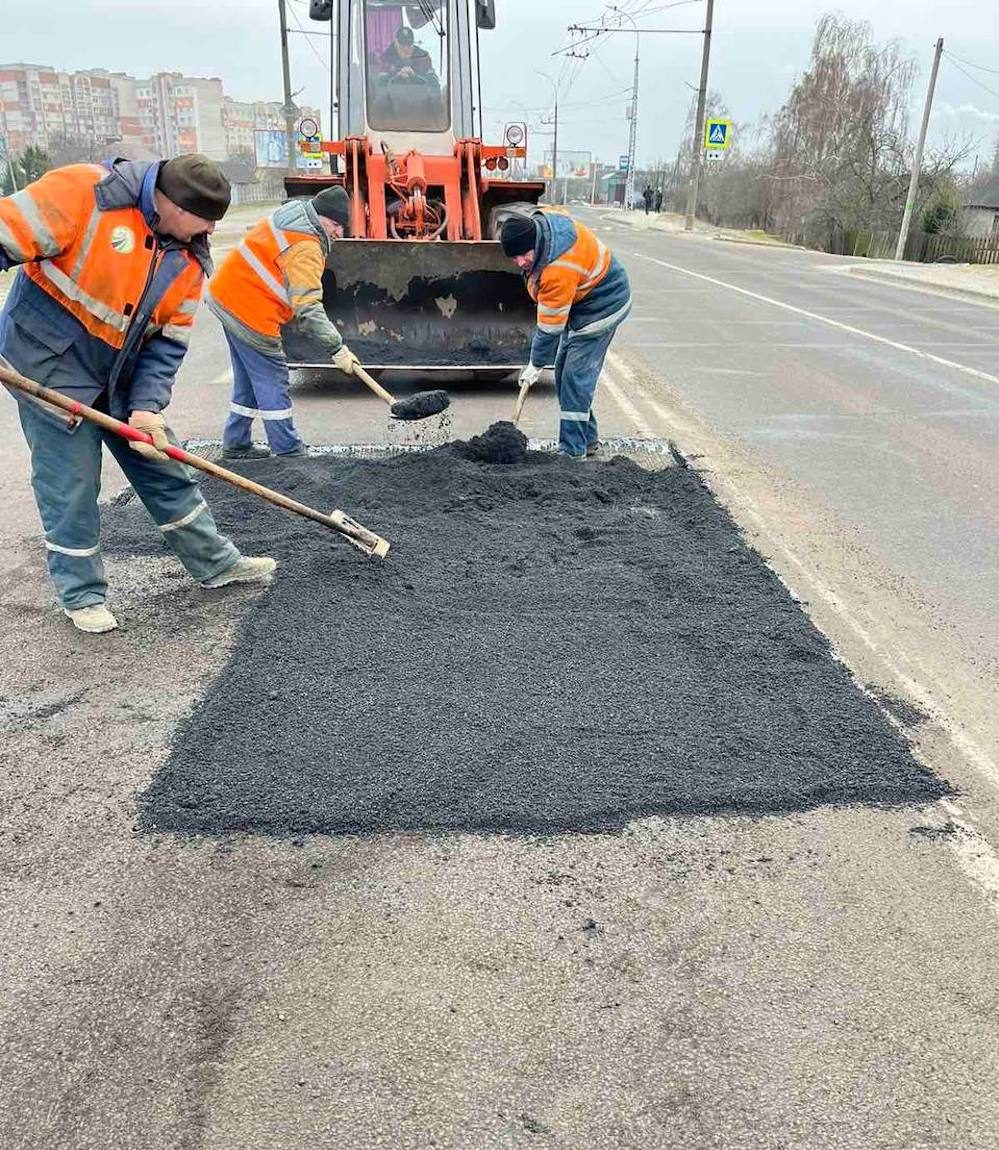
(66, 478)
(259, 389)
(578, 363)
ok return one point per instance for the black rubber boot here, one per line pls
(251, 451)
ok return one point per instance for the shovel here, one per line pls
(419, 406)
(360, 537)
(521, 400)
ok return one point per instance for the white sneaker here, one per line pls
(94, 620)
(245, 570)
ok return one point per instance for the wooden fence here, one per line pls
(920, 248)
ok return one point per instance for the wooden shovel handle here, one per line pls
(365, 540)
(376, 387)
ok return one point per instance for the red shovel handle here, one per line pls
(365, 540)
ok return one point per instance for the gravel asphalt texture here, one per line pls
(550, 647)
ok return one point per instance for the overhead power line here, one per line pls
(974, 79)
(969, 64)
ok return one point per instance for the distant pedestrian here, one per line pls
(647, 197)
(659, 200)
(113, 259)
(583, 296)
(272, 279)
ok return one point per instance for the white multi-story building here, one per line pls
(181, 114)
(114, 113)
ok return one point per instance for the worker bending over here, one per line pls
(113, 258)
(268, 288)
(582, 293)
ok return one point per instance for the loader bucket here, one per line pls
(412, 304)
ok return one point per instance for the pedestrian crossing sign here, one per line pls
(718, 135)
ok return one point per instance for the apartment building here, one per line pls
(243, 119)
(164, 115)
(31, 105)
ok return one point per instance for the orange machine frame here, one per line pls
(370, 173)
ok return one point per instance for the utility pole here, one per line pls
(554, 192)
(290, 110)
(917, 163)
(629, 180)
(555, 153)
(697, 151)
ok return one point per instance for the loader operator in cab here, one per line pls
(270, 289)
(583, 295)
(405, 59)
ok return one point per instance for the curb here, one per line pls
(623, 219)
(967, 293)
(758, 243)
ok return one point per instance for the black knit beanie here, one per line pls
(334, 204)
(518, 235)
(196, 184)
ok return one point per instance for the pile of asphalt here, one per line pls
(500, 443)
(549, 647)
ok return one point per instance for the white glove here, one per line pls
(530, 375)
(344, 359)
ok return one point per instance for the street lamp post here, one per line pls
(290, 111)
(554, 191)
(629, 179)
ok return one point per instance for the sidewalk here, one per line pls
(673, 223)
(977, 280)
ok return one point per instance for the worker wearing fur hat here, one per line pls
(112, 260)
(269, 289)
(583, 295)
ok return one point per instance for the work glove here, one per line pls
(530, 375)
(152, 423)
(344, 359)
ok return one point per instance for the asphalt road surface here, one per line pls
(822, 980)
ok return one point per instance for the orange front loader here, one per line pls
(423, 283)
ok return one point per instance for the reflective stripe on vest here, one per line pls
(88, 239)
(43, 237)
(265, 276)
(70, 290)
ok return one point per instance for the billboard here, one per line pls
(271, 148)
(571, 165)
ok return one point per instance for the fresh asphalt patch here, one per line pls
(549, 647)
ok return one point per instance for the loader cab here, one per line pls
(406, 78)
(407, 73)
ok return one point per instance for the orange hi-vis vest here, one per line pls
(96, 264)
(251, 285)
(569, 278)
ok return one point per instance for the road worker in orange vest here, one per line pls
(112, 262)
(269, 285)
(583, 296)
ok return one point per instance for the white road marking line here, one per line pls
(620, 368)
(972, 371)
(975, 855)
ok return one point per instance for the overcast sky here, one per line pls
(758, 48)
